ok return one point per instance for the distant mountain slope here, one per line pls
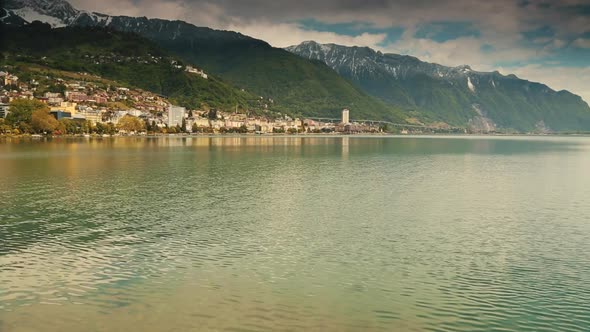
(296, 85)
(123, 57)
(456, 95)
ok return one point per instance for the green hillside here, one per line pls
(250, 69)
(297, 85)
(122, 57)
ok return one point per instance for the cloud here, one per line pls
(582, 42)
(498, 19)
(283, 35)
(443, 31)
(466, 50)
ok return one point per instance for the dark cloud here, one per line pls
(379, 12)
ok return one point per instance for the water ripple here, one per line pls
(253, 234)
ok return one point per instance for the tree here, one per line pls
(183, 126)
(59, 88)
(110, 129)
(60, 129)
(130, 123)
(212, 114)
(100, 128)
(86, 127)
(4, 128)
(43, 122)
(21, 113)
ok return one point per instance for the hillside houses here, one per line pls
(196, 71)
(8, 79)
(98, 103)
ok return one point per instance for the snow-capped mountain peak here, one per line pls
(365, 62)
(57, 13)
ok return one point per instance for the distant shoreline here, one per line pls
(277, 135)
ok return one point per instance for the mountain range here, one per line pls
(457, 95)
(314, 79)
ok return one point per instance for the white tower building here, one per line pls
(345, 116)
(175, 115)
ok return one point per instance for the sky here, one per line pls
(539, 40)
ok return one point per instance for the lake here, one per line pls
(295, 234)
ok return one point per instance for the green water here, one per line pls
(292, 233)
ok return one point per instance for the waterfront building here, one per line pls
(4, 110)
(94, 116)
(201, 122)
(68, 107)
(345, 116)
(60, 114)
(175, 115)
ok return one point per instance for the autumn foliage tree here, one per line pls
(130, 123)
(21, 111)
(43, 122)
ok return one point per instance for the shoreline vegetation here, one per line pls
(32, 118)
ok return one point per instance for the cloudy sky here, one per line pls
(540, 40)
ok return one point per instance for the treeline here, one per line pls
(32, 117)
(29, 117)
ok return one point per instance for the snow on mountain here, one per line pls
(57, 13)
(30, 15)
(363, 61)
(470, 85)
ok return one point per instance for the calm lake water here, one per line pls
(295, 233)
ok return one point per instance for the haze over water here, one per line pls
(295, 233)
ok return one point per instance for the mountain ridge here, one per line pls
(463, 68)
(458, 95)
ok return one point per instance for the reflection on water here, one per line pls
(295, 233)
